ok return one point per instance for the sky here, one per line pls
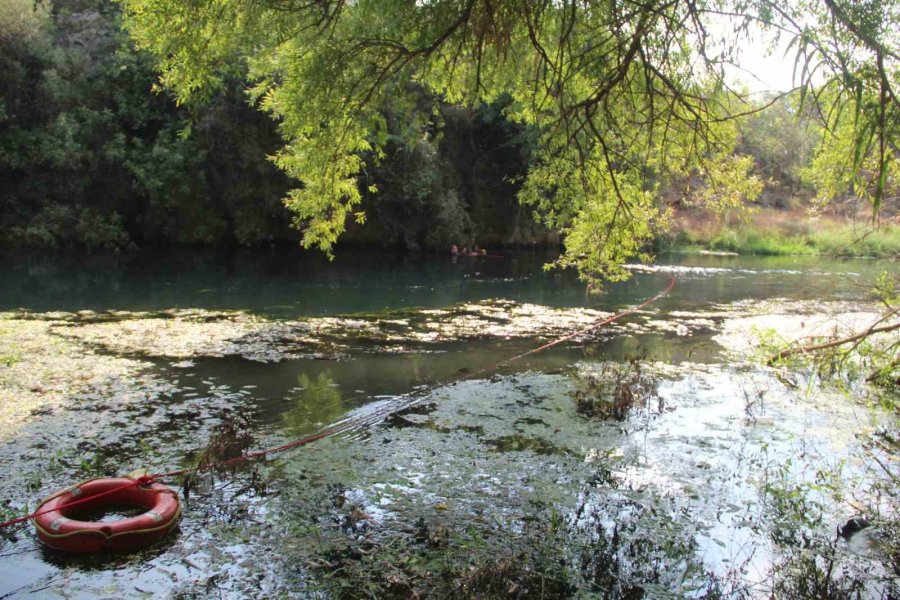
(762, 64)
(762, 69)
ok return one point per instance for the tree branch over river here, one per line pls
(622, 97)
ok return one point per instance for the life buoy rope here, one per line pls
(589, 328)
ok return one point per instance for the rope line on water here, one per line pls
(148, 479)
(341, 426)
(591, 327)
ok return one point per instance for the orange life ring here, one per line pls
(57, 530)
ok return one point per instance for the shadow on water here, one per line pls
(284, 283)
(290, 283)
(104, 562)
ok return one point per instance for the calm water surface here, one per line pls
(290, 283)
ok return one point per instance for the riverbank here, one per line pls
(783, 233)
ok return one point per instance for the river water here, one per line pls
(463, 478)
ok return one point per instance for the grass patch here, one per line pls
(884, 242)
(761, 243)
(774, 233)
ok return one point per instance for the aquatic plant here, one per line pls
(615, 390)
(7, 512)
(228, 440)
(849, 360)
(607, 546)
(814, 556)
(814, 575)
(804, 502)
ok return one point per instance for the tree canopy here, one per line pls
(621, 96)
(90, 158)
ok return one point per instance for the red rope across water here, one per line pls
(342, 425)
(589, 328)
(148, 479)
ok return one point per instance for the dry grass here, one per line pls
(614, 390)
(775, 232)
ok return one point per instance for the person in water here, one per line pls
(475, 251)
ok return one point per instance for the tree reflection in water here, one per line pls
(317, 402)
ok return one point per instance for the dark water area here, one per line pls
(282, 283)
(487, 468)
(292, 283)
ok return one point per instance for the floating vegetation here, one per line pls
(479, 488)
(175, 334)
(195, 333)
(440, 510)
(189, 334)
(518, 443)
(41, 371)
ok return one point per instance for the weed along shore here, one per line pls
(771, 232)
(658, 456)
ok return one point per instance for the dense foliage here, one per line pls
(781, 143)
(329, 72)
(90, 156)
(434, 123)
(458, 188)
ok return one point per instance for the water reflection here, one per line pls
(316, 402)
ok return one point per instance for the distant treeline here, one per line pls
(92, 156)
